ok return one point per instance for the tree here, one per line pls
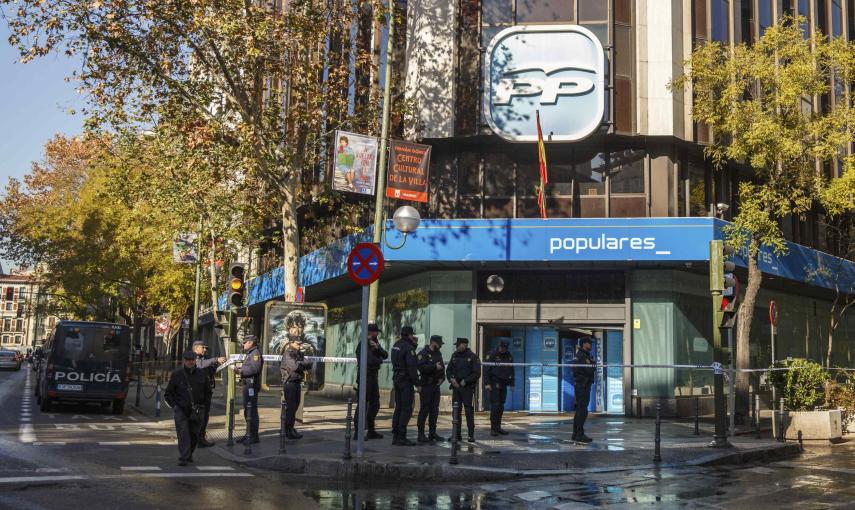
(265, 79)
(752, 98)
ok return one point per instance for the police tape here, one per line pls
(715, 367)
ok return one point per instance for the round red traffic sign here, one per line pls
(365, 263)
(773, 313)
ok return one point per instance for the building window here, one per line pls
(697, 189)
(747, 17)
(497, 11)
(533, 11)
(821, 17)
(850, 11)
(7, 324)
(22, 293)
(626, 184)
(837, 18)
(5, 339)
(593, 10)
(19, 324)
(10, 305)
(804, 11)
(720, 30)
(592, 189)
(18, 339)
(764, 15)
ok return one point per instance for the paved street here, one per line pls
(79, 455)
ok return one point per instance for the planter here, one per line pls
(816, 426)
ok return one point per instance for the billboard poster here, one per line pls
(184, 248)
(408, 171)
(355, 162)
(305, 321)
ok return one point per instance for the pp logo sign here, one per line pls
(556, 69)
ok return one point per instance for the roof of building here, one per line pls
(16, 278)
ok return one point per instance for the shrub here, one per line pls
(803, 386)
(840, 394)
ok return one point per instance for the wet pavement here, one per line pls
(79, 456)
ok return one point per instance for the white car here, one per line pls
(10, 359)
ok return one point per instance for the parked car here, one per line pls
(10, 359)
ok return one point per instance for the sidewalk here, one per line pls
(537, 446)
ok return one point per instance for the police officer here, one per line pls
(583, 378)
(463, 372)
(432, 370)
(250, 376)
(208, 365)
(405, 378)
(375, 356)
(496, 382)
(188, 393)
(293, 368)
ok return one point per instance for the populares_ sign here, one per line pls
(558, 70)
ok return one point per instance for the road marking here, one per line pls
(761, 470)
(25, 479)
(533, 495)
(139, 468)
(25, 419)
(114, 443)
(50, 470)
(215, 468)
(48, 443)
(27, 433)
(191, 475)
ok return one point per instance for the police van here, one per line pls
(85, 362)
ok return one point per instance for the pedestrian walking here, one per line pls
(463, 372)
(293, 369)
(406, 380)
(497, 379)
(375, 356)
(432, 371)
(209, 365)
(583, 378)
(188, 393)
(250, 376)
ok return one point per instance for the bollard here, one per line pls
(455, 430)
(231, 422)
(348, 421)
(697, 416)
(139, 383)
(801, 444)
(247, 444)
(657, 456)
(781, 422)
(757, 416)
(282, 427)
(157, 399)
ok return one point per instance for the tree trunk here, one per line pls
(745, 318)
(212, 270)
(290, 241)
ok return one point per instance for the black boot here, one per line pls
(204, 443)
(423, 438)
(435, 437)
(291, 433)
(373, 434)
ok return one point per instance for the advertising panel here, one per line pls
(408, 171)
(355, 163)
(184, 248)
(305, 321)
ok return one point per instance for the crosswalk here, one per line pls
(47, 475)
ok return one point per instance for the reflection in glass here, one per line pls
(720, 25)
(627, 171)
(497, 11)
(544, 10)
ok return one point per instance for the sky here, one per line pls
(34, 105)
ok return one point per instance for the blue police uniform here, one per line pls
(431, 378)
(250, 375)
(583, 378)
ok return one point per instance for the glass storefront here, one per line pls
(541, 388)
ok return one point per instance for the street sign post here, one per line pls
(364, 265)
(773, 325)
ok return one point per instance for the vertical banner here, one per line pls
(184, 248)
(408, 171)
(355, 163)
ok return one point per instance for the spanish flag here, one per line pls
(544, 177)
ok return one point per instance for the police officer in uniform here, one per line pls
(250, 376)
(405, 378)
(583, 378)
(293, 368)
(375, 356)
(463, 372)
(432, 370)
(188, 393)
(496, 382)
(208, 365)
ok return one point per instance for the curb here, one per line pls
(355, 470)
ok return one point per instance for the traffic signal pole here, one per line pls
(716, 289)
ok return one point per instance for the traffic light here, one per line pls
(730, 287)
(237, 284)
